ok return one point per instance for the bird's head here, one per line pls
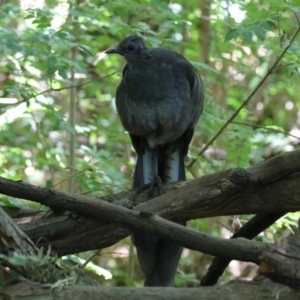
(132, 48)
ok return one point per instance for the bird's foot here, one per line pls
(156, 183)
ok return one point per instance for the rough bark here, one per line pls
(221, 193)
(259, 189)
(205, 30)
(12, 238)
(240, 249)
(281, 263)
(234, 290)
(251, 229)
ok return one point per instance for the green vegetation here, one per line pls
(58, 123)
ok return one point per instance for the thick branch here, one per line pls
(250, 230)
(134, 220)
(11, 237)
(74, 233)
(234, 191)
(280, 262)
(234, 290)
(222, 193)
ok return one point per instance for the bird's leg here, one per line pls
(156, 181)
(153, 183)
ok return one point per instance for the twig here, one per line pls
(270, 71)
(267, 128)
(72, 121)
(60, 89)
(250, 230)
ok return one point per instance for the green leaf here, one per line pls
(203, 66)
(14, 202)
(52, 60)
(260, 33)
(232, 34)
(86, 49)
(72, 45)
(268, 25)
(247, 35)
(75, 12)
(30, 16)
(62, 34)
(63, 72)
(51, 70)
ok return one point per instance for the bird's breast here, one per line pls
(153, 105)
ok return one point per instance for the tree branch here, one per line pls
(265, 290)
(250, 230)
(270, 71)
(264, 186)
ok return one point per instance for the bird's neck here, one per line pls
(139, 60)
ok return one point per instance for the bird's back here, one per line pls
(158, 96)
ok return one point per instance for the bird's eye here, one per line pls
(130, 47)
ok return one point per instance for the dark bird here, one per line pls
(159, 101)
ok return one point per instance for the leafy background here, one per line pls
(58, 122)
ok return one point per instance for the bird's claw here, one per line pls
(155, 183)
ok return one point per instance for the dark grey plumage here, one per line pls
(159, 101)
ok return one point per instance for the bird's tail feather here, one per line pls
(158, 258)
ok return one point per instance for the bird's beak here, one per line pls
(112, 50)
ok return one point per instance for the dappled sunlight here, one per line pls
(59, 123)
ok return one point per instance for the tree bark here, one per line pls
(281, 262)
(258, 189)
(234, 290)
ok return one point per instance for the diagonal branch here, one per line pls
(270, 71)
(250, 230)
(264, 186)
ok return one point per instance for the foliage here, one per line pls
(42, 267)
(52, 50)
